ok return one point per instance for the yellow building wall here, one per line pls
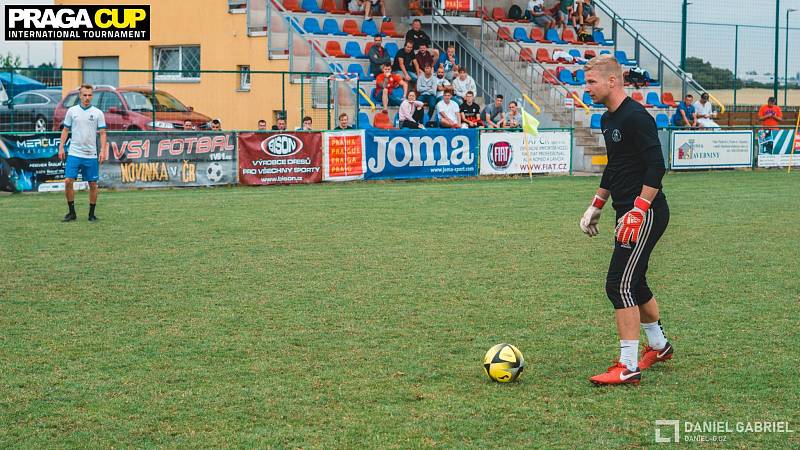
(224, 44)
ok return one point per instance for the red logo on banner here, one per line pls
(346, 157)
(458, 5)
(797, 142)
(500, 154)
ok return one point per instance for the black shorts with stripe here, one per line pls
(626, 282)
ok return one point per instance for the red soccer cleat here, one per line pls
(617, 374)
(652, 356)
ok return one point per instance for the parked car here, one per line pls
(30, 111)
(131, 108)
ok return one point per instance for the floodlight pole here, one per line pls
(684, 12)
(786, 60)
(777, 30)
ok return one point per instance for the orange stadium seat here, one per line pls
(293, 6)
(330, 6)
(332, 48)
(669, 100)
(388, 29)
(526, 55)
(589, 54)
(537, 34)
(543, 56)
(351, 27)
(505, 34)
(569, 36)
(381, 120)
(639, 97)
(550, 77)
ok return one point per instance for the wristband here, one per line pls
(598, 201)
(641, 203)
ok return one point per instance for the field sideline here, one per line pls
(356, 316)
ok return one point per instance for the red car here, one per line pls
(131, 108)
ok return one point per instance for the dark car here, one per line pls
(30, 111)
(131, 108)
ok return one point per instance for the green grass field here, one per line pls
(357, 315)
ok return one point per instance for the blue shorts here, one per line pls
(88, 167)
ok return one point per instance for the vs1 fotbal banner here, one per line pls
(505, 153)
(775, 148)
(137, 160)
(432, 153)
(343, 155)
(280, 158)
(29, 162)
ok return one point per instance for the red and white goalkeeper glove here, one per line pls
(591, 217)
(630, 224)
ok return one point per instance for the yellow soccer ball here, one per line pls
(503, 363)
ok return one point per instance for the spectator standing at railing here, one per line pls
(426, 87)
(463, 84)
(377, 56)
(449, 61)
(470, 112)
(188, 125)
(685, 114)
(704, 111)
(441, 83)
(447, 111)
(307, 124)
(262, 125)
(216, 125)
(411, 112)
(404, 62)
(344, 122)
(537, 15)
(770, 115)
(280, 124)
(385, 84)
(418, 37)
(424, 58)
(513, 118)
(493, 115)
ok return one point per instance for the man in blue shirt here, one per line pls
(684, 116)
(449, 61)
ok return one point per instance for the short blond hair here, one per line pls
(606, 64)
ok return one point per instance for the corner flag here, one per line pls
(529, 124)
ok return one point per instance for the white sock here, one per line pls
(655, 335)
(629, 353)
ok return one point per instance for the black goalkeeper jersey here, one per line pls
(634, 154)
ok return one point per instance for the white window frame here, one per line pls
(175, 77)
(244, 77)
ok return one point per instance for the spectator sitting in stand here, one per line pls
(704, 112)
(377, 56)
(371, 6)
(493, 115)
(417, 36)
(586, 14)
(470, 112)
(462, 84)
(404, 63)
(447, 111)
(385, 84)
(537, 15)
(685, 115)
(426, 86)
(441, 84)
(514, 117)
(449, 61)
(424, 58)
(356, 6)
(411, 112)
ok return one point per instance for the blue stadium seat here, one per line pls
(396, 120)
(623, 58)
(336, 68)
(369, 28)
(565, 76)
(363, 121)
(587, 99)
(295, 24)
(580, 77)
(652, 99)
(600, 38)
(662, 121)
(595, 125)
(552, 35)
(331, 26)
(312, 7)
(356, 69)
(311, 25)
(575, 53)
(391, 49)
(521, 35)
(605, 52)
(353, 49)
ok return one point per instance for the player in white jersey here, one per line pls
(85, 122)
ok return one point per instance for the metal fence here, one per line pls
(146, 99)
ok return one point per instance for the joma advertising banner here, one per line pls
(505, 153)
(137, 160)
(711, 149)
(434, 153)
(280, 158)
(775, 148)
(29, 162)
(343, 155)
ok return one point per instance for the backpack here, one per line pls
(638, 76)
(515, 12)
(585, 35)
